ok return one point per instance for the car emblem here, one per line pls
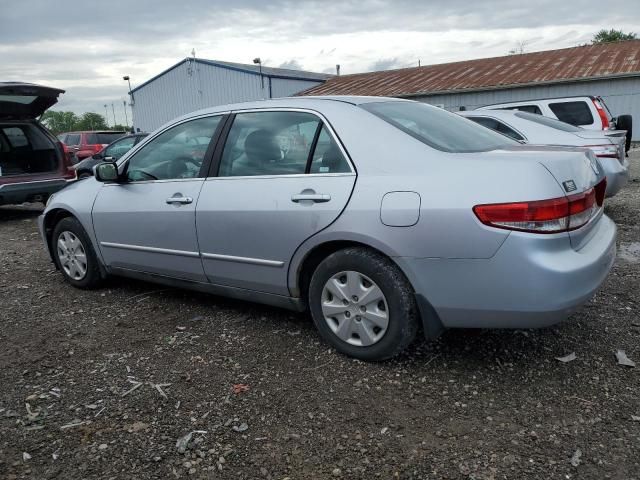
(569, 186)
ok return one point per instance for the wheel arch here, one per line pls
(305, 264)
(51, 219)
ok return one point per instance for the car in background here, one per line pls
(85, 144)
(110, 153)
(383, 217)
(588, 112)
(33, 163)
(608, 145)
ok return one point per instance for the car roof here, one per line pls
(293, 102)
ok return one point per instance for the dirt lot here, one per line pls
(102, 384)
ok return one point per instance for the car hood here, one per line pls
(25, 101)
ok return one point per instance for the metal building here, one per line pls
(195, 83)
(610, 70)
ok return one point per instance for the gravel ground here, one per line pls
(102, 384)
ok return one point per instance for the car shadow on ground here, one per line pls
(469, 348)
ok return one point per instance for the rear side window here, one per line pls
(16, 137)
(549, 122)
(268, 143)
(73, 139)
(575, 113)
(438, 128)
(525, 108)
(497, 126)
(103, 138)
(327, 157)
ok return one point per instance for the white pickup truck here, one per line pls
(587, 112)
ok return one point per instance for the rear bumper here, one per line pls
(14, 193)
(617, 174)
(532, 281)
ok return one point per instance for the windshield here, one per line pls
(548, 122)
(438, 128)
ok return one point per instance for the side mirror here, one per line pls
(106, 172)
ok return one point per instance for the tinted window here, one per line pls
(16, 137)
(327, 157)
(103, 138)
(73, 139)
(548, 122)
(268, 143)
(175, 153)
(119, 148)
(525, 108)
(575, 113)
(497, 126)
(438, 128)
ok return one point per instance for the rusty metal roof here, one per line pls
(553, 66)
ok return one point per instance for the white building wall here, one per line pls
(187, 88)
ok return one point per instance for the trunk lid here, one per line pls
(605, 137)
(25, 101)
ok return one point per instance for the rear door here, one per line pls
(282, 176)
(147, 223)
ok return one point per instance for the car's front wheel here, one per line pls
(74, 254)
(363, 305)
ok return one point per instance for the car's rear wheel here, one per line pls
(74, 254)
(363, 305)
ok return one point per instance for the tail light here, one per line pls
(605, 151)
(69, 170)
(544, 216)
(97, 147)
(603, 115)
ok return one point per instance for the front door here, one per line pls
(282, 178)
(147, 223)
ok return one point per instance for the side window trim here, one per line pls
(125, 159)
(523, 137)
(314, 145)
(214, 168)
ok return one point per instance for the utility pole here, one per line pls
(106, 115)
(114, 114)
(126, 118)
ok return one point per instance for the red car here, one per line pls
(33, 163)
(85, 144)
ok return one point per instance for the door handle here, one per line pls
(310, 197)
(181, 200)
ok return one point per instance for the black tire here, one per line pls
(402, 309)
(92, 277)
(625, 122)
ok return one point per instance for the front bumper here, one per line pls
(617, 174)
(532, 281)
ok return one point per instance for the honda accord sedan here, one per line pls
(382, 217)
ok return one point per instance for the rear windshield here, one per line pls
(104, 137)
(575, 113)
(438, 128)
(548, 122)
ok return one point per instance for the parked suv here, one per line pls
(85, 144)
(33, 163)
(110, 153)
(587, 112)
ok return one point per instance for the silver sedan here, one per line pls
(382, 217)
(608, 145)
